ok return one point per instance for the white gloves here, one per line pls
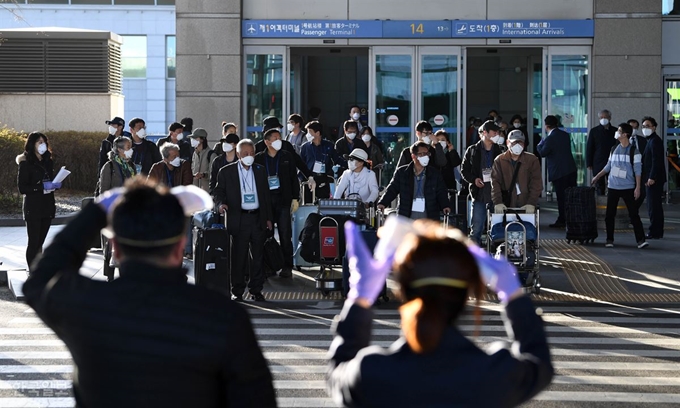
(311, 183)
(499, 208)
(529, 209)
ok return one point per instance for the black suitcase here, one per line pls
(212, 258)
(580, 214)
(97, 242)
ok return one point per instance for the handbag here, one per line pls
(507, 194)
(273, 254)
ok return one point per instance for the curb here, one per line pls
(19, 222)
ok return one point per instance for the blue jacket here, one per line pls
(456, 374)
(325, 153)
(556, 149)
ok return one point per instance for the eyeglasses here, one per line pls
(427, 133)
(422, 154)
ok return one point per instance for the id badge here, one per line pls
(517, 188)
(418, 205)
(274, 182)
(319, 167)
(486, 175)
(249, 199)
(138, 168)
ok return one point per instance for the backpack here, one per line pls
(273, 254)
(632, 154)
(309, 238)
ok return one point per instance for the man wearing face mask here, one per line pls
(637, 139)
(284, 190)
(272, 122)
(319, 155)
(242, 193)
(476, 171)
(145, 152)
(296, 135)
(529, 182)
(116, 126)
(600, 142)
(355, 115)
(172, 171)
(345, 145)
(176, 136)
(653, 176)
(201, 159)
(188, 127)
(424, 134)
(228, 144)
(420, 187)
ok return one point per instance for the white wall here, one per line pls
(146, 98)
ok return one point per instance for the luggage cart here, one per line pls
(330, 257)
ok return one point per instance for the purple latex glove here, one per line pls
(499, 275)
(56, 185)
(106, 200)
(367, 275)
(48, 185)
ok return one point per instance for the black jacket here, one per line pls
(217, 163)
(30, 179)
(288, 147)
(228, 191)
(289, 187)
(185, 150)
(471, 168)
(653, 160)
(452, 161)
(137, 341)
(437, 157)
(456, 374)
(436, 197)
(146, 154)
(343, 148)
(599, 145)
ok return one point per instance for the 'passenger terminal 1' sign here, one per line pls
(418, 29)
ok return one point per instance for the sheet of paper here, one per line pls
(63, 173)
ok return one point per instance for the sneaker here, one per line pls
(643, 244)
(609, 244)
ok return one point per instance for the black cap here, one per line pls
(116, 121)
(231, 138)
(271, 122)
(489, 125)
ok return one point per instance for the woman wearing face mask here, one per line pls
(529, 181)
(36, 171)
(119, 167)
(516, 123)
(228, 128)
(358, 182)
(374, 148)
(200, 162)
(433, 364)
(172, 171)
(228, 156)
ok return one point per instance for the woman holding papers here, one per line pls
(36, 170)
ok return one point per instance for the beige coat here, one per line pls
(529, 179)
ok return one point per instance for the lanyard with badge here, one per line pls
(419, 199)
(319, 166)
(169, 174)
(486, 172)
(618, 170)
(274, 182)
(248, 185)
(140, 154)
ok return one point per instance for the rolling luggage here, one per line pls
(580, 214)
(298, 223)
(212, 255)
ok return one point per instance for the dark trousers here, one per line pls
(641, 199)
(629, 199)
(282, 219)
(560, 186)
(249, 236)
(37, 229)
(655, 209)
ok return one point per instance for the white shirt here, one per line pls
(363, 183)
(248, 186)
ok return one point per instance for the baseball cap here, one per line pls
(199, 132)
(489, 125)
(116, 121)
(516, 135)
(359, 154)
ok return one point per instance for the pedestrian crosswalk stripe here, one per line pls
(31, 343)
(612, 353)
(26, 320)
(622, 311)
(30, 402)
(26, 330)
(625, 397)
(304, 402)
(299, 385)
(606, 365)
(36, 369)
(614, 380)
(33, 355)
(306, 369)
(35, 384)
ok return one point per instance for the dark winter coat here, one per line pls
(32, 173)
(402, 186)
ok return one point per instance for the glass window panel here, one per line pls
(673, 133)
(569, 96)
(671, 7)
(91, 2)
(133, 55)
(439, 92)
(165, 2)
(134, 2)
(170, 55)
(47, 2)
(393, 94)
(264, 78)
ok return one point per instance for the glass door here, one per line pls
(672, 132)
(568, 89)
(392, 81)
(266, 78)
(439, 82)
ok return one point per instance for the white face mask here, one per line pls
(443, 144)
(141, 133)
(276, 144)
(646, 132)
(248, 161)
(112, 130)
(517, 125)
(352, 165)
(501, 140)
(495, 138)
(42, 148)
(128, 153)
(310, 137)
(175, 162)
(517, 149)
(427, 140)
(290, 127)
(356, 116)
(604, 121)
(227, 147)
(194, 143)
(351, 136)
(366, 138)
(617, 135)
(180, 136)
(424, 161)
